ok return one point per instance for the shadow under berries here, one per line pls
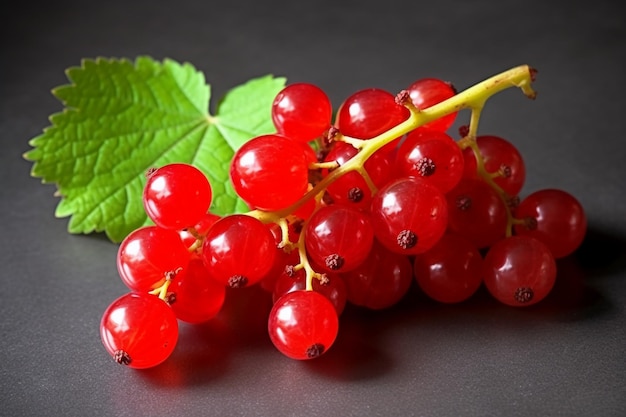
(602, 253)
(359, 351)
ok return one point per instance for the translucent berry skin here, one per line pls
(302, 112)
(519, 271)
(381, 281)
(451, 271)
(433, 156)
(238, 250)
(341, 231)
(477, 212)
(139, 330)
(409, 205)
(197, 298)
(303, 324)
(499, 155)
(270, 172)
(368, 113)
(177, 196)
(205, 223)
(557, 219)
(147, 254)
(427, 92)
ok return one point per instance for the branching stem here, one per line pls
(473, 98)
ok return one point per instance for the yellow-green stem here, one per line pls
(489, 178)
(304, 261)
(473, 98)
(161, 291)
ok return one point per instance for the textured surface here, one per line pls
(564, 357)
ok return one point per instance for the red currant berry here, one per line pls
(303, 324)
(139, 330)
(177, 196)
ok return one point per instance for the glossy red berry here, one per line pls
(177, 196)
(303, 324)
(270, 172)
(139, 330)
(302, 112)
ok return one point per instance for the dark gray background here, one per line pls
(564, 357)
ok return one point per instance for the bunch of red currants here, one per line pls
(346, 210)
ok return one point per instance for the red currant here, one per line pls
(427, 92)
(302, 112)
(139, 330)
(554, 217)
(177, 196)
(270, 172)
(238, 250)
(519, 271)
(148, 255)
(303, 324)
(338, 238)
(409, 215)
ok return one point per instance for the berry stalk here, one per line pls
(470, 142)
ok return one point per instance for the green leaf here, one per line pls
(122, 118)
